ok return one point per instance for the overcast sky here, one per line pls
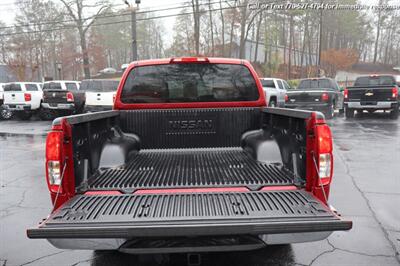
(8, 10)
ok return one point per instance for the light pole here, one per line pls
(133, 27)
(320, 41)
(59, 66)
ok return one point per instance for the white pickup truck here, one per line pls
(23, 98)
(100, 94)
(275, 91)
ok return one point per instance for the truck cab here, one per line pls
(189, 160)
(23, 98)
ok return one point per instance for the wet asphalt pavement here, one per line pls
(366, 189)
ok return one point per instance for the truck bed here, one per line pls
(191, 168)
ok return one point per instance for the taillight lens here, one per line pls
(325, 97)
(286, 98)
(324, 154)
(54, 157)
(70, 97)
(346, 93)
(27, 97)
(395, 92)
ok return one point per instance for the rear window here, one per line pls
(99, 85)
(12, 87)
(52, 86)
(71, 86)
(31, 87)
(375, 80)
(189, 83)
(268, 83)
(315, 84)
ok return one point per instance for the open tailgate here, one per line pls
(189, 214)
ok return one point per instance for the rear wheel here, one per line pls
(394, 114)
(5, 114)
(23, 115)
(46, 114)
(348, 112)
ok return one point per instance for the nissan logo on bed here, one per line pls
(191, 126)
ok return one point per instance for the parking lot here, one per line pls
(366, 189)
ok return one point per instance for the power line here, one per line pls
(109, 15)
(117, 22)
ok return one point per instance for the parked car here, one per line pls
(372, 93)
(4, 112)
(23, 98)
(189, 160)
(275, 91)
(61, 98)
(100, 94)
(318, 94)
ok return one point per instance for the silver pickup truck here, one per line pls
(275, 91)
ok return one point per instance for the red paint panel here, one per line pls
(103, 192)
(190, 190)
(279, 188)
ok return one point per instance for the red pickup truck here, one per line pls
(189, 160)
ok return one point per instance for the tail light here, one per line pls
(27, 97)
(324, 154)
(286, 98)
(325, 97)
(70, 97)
(346, 93)
(395, 92)
(54, 160)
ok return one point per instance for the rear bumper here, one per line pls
(378, 105)
(173, 246)
(97, 108)
(59, 106)
(18, 107)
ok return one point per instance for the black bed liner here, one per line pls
(191, 168)
(229, 213)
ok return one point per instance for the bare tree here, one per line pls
(222, 29)
(211, 27)
(196, 18)
(378, 31)
(76, 9)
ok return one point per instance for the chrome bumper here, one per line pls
(18, 107)
(115, 244)
(60, 106)
(378, 105)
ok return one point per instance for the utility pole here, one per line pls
(133, 27)
(320, 42)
